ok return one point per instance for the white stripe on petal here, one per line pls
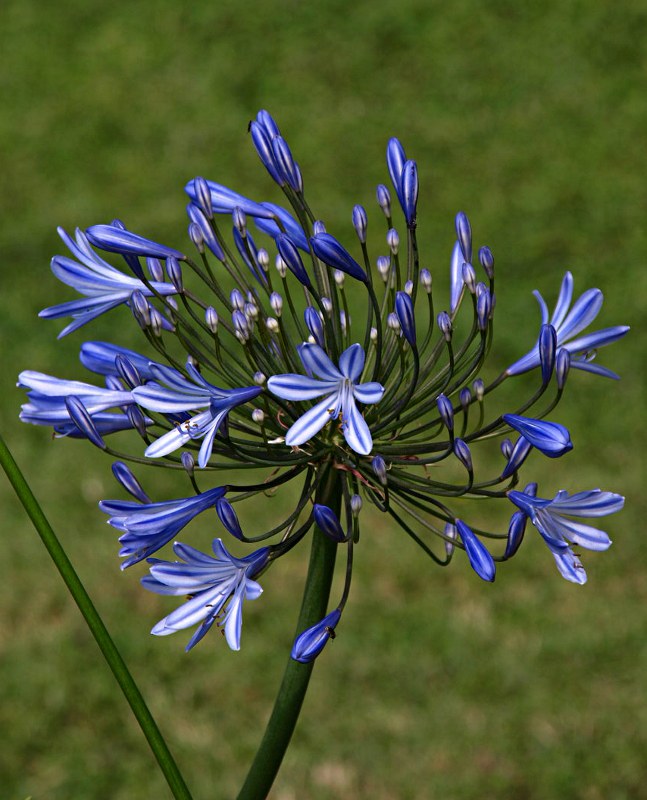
(356, 431)
(311, 422)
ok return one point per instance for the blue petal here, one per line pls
(312, 641)
(355, 430)
(551, 438)
(480, 559)
(570, 567)
(368, 393)
(115, 240)
(585, 310)
(316, 360)
(311, 422)
(351, 362)
(455, 277)
(563, 301)
(299, 387)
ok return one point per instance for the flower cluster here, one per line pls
(256, 361)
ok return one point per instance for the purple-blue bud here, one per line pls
(384, 267)
(241, 325)
(331, 252)
(328, 522)
(487, 261)
(506, 448)
(211, 318)
(425, 280)
(465, 398)
(240, 220)
(384, 199)
(195, 234)
(276, 301)
(379, 468)
(404, 310)
(483, 308)
(450, 531)
(360, 222)
(312, 641)
(469, 277)
(266, 120)
(479, 389)
(551, 438)
(285, 165)
(127, 370)
(155, 269)
(480, 559)
(355, 505)
(547, 350)
(562, 366)
(237, 299)
(289, 253)
(395, 158)
(174, 272)
(315, 325)
(464, 235)
(188, 462)
(157, 321)
(137, 419)
(130, 483)
(208, 237)
(140, 308)
(116, 240)
(318, 227)
(262, 142)
(393, 241)
(203, 196)
(517, 456)
(463, 454)
(83, 421)
(516, 531)
(445, 324)
(410, 192)
(446, 411)
(228, 517)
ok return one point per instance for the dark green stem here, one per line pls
(296, 677)
(95, 623)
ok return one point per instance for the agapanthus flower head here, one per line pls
(297, 356)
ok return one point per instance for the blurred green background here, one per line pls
(532, 119)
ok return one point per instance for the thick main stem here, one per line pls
(296, 677)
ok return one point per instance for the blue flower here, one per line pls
(568, 324)
(341, 390)
(149, 526)
(312, 641)
(100, 357)
(552, 518)
(180, 395)
(479, 557)
(224, 200)
(46, 404)
(103, 286)
(115, 239)
(216, 587)
(551, 438)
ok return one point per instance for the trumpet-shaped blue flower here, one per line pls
(341, 390)
(216, 587)
(116, 239)
(551, 438)
(149, 526)
(568, 324)
(103, 286)
(224, 200)
(553, 520)
(47, 395)
(181, 395)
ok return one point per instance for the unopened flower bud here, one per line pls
(83, 421)
(469, 277)
(374, 335)
(174, 272)
(155, 269)
(241, 325)
(506, 448)
(547, 351)
(127, 371)
(445, 324)
(464, 235)
(406, 318)
(237, 299)
(263, 258)
(157, 325)
(393, 241)
(339, 277)
(281, 266)
(318, 227)
(309, 644)
(487, 261)
(240, 221)
(188, 462)
(360, 222)
(326, 302)
(393, 322)
(425, 280)
(315, 325)
(446, 411)
(355, 505)
(211, 318)
(137, 419)
(258, 415)
(195, 234)
(276, 302)
(465, 398)
(140, 308)
(479, 389)
(463, 454)
(228, 517)
(328, 522)
(450, 531)
(379, 468)
(272, 325)
(384, 199)
(384, 267)
(259, 378)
